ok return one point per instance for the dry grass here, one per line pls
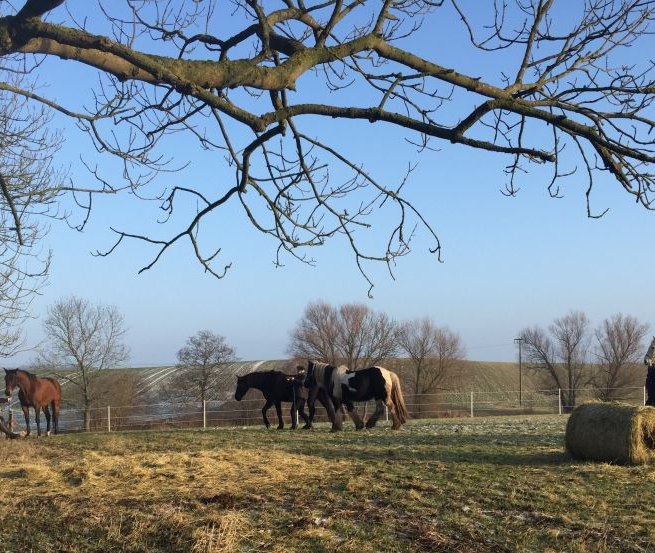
(473, 485)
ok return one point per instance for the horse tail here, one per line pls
(397, 398)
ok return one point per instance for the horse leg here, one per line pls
(278, 410)
(396, 424)
(373, 419)
(37, 418)
(26, 414)
(55, 416)
(46, 412)
(337, 421)
(264, 409)
(311, 405)
(331, 409)
(301, 411)
(354, 415)
(294, 415)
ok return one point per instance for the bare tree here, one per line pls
(619, 350)
(365, 336)
(199, 363)
(571, 88)
(316, 334)
(561, 355)
(29, 185)
(82, 341)
(434, 352)
(352, 334)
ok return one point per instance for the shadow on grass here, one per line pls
(375, 446)
(455, 454)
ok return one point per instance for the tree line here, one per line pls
(570, 354)
(83, 340)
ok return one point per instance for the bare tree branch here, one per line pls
(571, 74)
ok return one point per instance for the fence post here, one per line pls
(644, 395)
(11, 420)
(559, 399)
(471, 404)
(108, 418)
(204, 414)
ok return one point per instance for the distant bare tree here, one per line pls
(316, 334)
(619, 349)
(433, 351)
(86, 340)
(561, 355)
(28, 187)
(352, 334)
(365, 337)
(199, 362)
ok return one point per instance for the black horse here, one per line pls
(276, 387)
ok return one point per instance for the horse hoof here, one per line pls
(280, 427)
(307, 427)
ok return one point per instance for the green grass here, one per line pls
(497, 484)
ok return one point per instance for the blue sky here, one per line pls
(507, 263)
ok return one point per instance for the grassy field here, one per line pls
(498, 484)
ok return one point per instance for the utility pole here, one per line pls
(519, 341)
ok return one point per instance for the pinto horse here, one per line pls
(276, 387)
(317, 379)
(344, 387)
(35, 392)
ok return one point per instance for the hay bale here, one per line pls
(612, 432)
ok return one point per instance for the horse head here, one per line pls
(242, 388)
(649, 358)
(10, 382)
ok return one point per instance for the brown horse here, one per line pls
(35, 392)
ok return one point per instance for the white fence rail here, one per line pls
(248, 412)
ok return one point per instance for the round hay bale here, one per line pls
(611, 432)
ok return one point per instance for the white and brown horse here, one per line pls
(344, 387)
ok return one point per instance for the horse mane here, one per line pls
(334, 385)
(28, 374)
(319, 372)
(261, 377)
(649, 357)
